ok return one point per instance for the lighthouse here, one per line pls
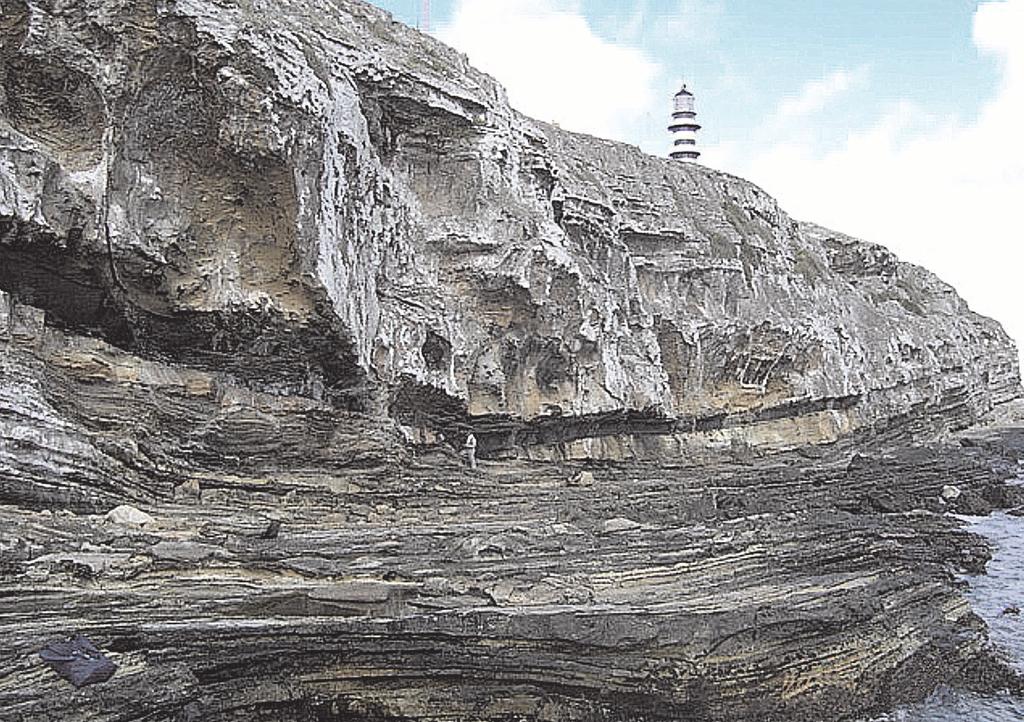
(684, 127)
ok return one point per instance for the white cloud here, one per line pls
(939, 191)
(817, 94)
(554, 66)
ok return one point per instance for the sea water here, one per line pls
(990, 594)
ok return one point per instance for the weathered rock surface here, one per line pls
(787, 590)
(257, 259)
(315, 200)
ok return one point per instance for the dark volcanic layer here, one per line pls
(255, 258)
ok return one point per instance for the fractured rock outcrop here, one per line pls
(310, 197)
(264, 265)
(793, 589)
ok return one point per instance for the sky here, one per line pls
(897, 121)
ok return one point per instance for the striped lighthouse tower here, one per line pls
(684, 127)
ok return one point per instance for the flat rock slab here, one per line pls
(360, 592)
(180, 551)
(78, 661)
(619, 525)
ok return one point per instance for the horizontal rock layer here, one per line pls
(783, 589)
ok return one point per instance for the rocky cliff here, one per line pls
(308, 196)
(257, 258)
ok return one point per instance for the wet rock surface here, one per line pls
(994, 597)
(263, 266)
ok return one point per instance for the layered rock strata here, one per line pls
(257, 260)
(783, 589)
(312, 198)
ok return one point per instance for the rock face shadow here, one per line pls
(55, 106)
(14, 22)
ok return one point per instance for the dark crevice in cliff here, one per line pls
(56, 106)
(14, 22)
(53, 274)
(421, 406)
(399, 123)
(436, 352)
(502, 436)
(261, 348)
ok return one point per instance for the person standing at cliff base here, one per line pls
(470, 449)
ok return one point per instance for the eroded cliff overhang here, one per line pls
(314, 198)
